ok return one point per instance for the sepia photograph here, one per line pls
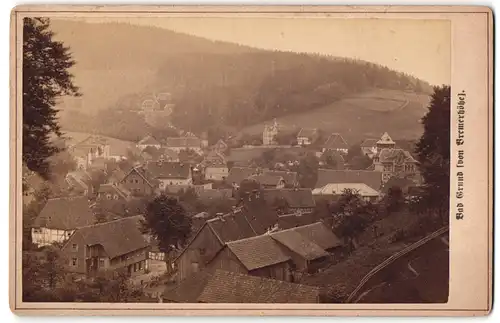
(248, 160)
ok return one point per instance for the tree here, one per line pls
(286, 138)
(351, 216)
(394, 200)
(356, 159)
(97, 177)
(46, 77)
(354, 151)
(433, 153)
(167, 221)
(41, 274)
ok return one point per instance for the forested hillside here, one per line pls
(212, 84)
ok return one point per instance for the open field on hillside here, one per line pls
(376, 111)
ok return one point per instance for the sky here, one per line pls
(419, 47)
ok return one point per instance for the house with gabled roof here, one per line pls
(59, 218)
(307, 136)
(279, 254)
(243, 222)
(138, 182)
(111, 246)
(337, 143)
(148, 141)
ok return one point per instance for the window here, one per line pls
(135, 267)
(115, 197)
(101, 262)
(37, 230)
(74, 262)
(202, 251)
(108, 196)
(194, 266)
(74, 247)
(140, 265)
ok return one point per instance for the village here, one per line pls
(264, 215)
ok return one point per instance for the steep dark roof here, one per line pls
(257, 252)
(66, 213)
(335, 141)
(290, 178)
(189, 289)
(295, 198)
(168, 169)
(238, 174)
(228, 287)
(117, 237)
(371, 178)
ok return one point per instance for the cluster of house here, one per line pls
(263, 249)
(253, 256)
